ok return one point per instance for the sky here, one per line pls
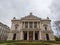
(55, 8)
(21, 8)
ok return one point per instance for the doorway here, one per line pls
(14, 36)
(25, 35)
(30, 35)
(36, 35)
(47, 36)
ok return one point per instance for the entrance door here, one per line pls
(30, 35)
(14, 36)
(36, 35)
(47, 36)
(25, 35)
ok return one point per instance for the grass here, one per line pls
(29, 42)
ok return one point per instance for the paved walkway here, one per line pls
(56, 44)
(2, 44)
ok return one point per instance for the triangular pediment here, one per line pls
(30, 16)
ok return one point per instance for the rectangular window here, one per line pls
(35, 24)
(30, 25)
(0, 27)
(38, 24)
(22, 24)
(26, 24)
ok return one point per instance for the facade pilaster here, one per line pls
(28, 25)
(33, 25)
(10, 36)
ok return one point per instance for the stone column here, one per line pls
(40, 35)
(27, 35)
(33, 35)
(38, 24)
(21, 35)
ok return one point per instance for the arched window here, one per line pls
(16, 26)
(45, 26)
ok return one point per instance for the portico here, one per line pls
(30, 35)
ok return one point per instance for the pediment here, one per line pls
(30, 16)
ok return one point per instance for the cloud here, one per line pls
(20, 8)
(55, 8)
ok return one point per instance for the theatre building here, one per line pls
(31, 28)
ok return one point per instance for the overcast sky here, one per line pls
(21, 8)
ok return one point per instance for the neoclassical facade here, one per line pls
(4, 29)
(31, 28)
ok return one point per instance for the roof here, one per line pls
(3, 25)
(30, 16)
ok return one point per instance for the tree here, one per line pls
(57, 26)
(55, 9)
(56, 38)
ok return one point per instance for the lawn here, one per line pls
(29, 42)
